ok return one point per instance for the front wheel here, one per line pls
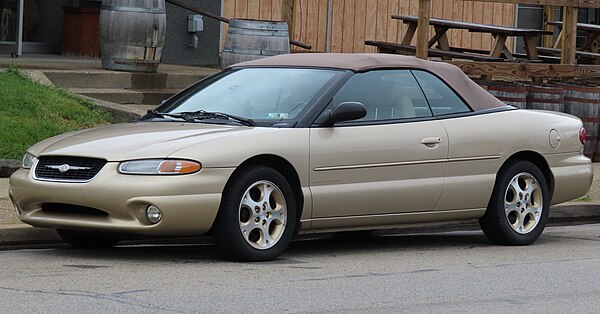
(257, 216)
(519, 206)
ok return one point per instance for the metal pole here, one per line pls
(329, 13)
(19, 39)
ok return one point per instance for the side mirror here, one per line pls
(346, 111)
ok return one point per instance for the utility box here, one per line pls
(195, 23)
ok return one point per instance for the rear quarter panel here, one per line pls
(481, 144)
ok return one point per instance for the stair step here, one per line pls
(150, 97)
(114, 79)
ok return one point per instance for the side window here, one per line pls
(387, 95)
(441, 98)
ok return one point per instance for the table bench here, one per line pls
(499, 33)
(592, 30)
(387, 47)
(581, 55)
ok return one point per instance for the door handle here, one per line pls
(431, 140)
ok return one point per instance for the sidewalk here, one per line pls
(12, 232)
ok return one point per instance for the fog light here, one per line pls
(153, 214)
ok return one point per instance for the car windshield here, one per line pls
(272, 94)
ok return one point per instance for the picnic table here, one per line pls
(592, 30)
(499, 33)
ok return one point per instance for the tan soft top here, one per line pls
(478, 98)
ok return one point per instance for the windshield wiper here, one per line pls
(203, 114)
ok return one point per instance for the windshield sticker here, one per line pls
(275, 115)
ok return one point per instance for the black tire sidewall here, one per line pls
(227, 234)
(495, 224)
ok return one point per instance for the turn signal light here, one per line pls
(582, 135)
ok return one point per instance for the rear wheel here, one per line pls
(519, 206)
(257, 217)
(87, 240)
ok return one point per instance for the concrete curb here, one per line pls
(21, 234)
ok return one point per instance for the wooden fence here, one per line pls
(354, 21)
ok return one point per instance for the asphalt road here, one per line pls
(411, 273)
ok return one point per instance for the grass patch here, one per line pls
(586, 198)
(31, 112)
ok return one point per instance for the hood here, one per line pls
(134, 140)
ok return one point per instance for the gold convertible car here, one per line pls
(308, 143)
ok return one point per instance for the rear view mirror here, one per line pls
(346, 111)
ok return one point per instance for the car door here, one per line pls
(473, 155)
(392, 161)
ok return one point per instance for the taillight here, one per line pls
(582, 135)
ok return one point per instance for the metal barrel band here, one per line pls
(134, 9)
(259, 25)
(270, 33)
(256, 52)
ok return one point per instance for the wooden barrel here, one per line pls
(583, 101)
(545, 97)
(513, 94)
(252, 39)
(132, 34)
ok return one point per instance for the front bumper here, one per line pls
(188, 203)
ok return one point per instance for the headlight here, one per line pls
(28, 161)
(159, 166)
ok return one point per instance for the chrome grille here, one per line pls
(71, 169)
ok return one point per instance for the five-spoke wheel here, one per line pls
(519, 206)
(257, 216)
(263, 215)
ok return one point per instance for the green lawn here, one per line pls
(30, 112)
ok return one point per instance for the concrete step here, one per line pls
(151, 97)
(114, 79)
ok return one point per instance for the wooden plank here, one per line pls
(276, 10)
(527, 70)
(337, 26)
(392, 29)
(457, 15)
(382, 19)
(569, 35)
(423, 28)
(467, 17)
(371, 20)
(311, 22)
(488, 15)
(477, 38)
(241, 9)
(360, 20)
(253, 9)
(348, 37)
(321, 44)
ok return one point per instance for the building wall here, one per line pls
(177, 48)
(354, 21)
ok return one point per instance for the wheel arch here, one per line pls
(538, 160)
(286, 169)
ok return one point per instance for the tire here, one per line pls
(253, 225)
(87, 240)
(518, 209)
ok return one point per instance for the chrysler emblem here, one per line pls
(65, 167)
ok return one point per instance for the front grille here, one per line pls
(60, 168)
